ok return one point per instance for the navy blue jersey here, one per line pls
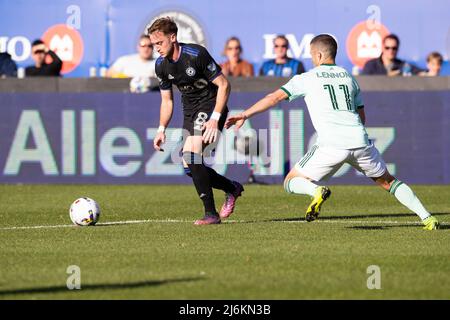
(192, 73)
(288, 69)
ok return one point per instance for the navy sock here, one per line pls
(220, 182)
(202, 180)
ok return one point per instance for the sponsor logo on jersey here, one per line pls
(190, 72)
(189, 29)
(67, 43)
(364, 42)
(286, 72)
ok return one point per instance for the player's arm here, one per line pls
(262, 105)
(211, 127)
(357, 100)
(362, 114)
(223, 92)
(165, 116)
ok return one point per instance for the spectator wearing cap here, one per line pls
(282, 65)
(140, 64)
(235, 66)
(46, 62)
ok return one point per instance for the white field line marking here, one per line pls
(111, 223)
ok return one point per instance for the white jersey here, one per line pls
(333, 97)
(133, 66)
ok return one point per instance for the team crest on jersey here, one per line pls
(212, 66)
(286, 72)
(190, 72)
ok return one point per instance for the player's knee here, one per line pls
(287, 180)
(191, 158)
(385, 181)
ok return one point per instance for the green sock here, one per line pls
(300, 185)
(406, 197)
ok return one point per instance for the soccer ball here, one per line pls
(84, 212)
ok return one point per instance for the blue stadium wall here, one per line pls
(107, 138)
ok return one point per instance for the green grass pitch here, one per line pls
(265, 251)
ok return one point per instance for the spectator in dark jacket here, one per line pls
(388, 63)
(42, 67)
(8, 67)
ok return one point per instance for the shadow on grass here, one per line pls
(441, 227)
(110, 286)
(384, 227)
(356, 216)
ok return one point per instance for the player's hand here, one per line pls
(159, 139)
(237, 120)
(393, 73)
(211, 131)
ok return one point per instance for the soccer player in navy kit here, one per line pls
(204, 92)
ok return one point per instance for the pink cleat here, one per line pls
(208, 219)
(230, 200)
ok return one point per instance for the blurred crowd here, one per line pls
(142, 63)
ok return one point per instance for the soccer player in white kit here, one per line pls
(336, 109)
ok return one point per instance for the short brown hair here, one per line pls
(435, 55)
(327, 43)
(166, 25)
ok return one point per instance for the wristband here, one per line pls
(161, 129)
(215, 116)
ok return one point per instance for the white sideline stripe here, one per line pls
(347, 221)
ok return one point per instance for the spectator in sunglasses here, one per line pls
(388, 63)
(282, 65)
(140, 64)
(46, 62)
(235, 66)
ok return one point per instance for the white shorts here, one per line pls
(321, 163)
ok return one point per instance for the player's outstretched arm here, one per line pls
(166, 112)
(272, 99)
(211, 127)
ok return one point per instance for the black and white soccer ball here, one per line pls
(84, 212)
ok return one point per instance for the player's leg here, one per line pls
(407, 197)
(194, 167)
(217, 180)
(232, 189)
(368, 160)
(192, 157)
(318, 164)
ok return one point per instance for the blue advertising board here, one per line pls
(107, 138)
